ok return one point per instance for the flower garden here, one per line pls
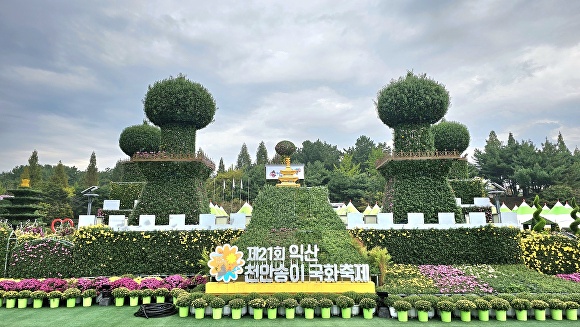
(462, 274)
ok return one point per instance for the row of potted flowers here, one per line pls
(500, 307)
(61, 284)
(21, 293)
(270, 306)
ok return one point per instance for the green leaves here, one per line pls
(489, 245)
(179, 101)
(413, 99)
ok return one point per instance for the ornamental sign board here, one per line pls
(225, 263)
(273, 171)
(280, 265)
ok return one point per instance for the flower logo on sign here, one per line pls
(226, 263)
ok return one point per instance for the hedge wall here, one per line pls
(485, 245)
(99, 251)
(42, 258)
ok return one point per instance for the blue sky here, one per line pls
(73, 73)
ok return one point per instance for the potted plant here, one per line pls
(258, 304)
(237, 304)
(389, 300)
(272, 305)
(445, 308)
(70, 295)
(539, 307)
(175, 292)
(199, 305)
(500, 306)
(23, 297)
(146, 294)
(182, 303)
(119, 294)
(88, 295)
(482, 307)
(422, 308)
(465, 306)
(134, 297)
(308, 304)
(217, 306)
(521, 306)
(325, 304)
(345, 304)
(160, 294)
(54, 298)
(11, 297)
(368, 306)
(571, 310)
(37, 298)
(290, 305)
(402, 307)
(556, 307)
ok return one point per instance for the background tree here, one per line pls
(35, 170)
(244, 160)
(491, 161)
(261, 154)
(324, 152)
(92, 175)
(221, 166)
(361, 151)
(57, 194)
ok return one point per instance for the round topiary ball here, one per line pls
(412, 100)
(450, 136)
(140, 138)
(285, 148)
(179, 101)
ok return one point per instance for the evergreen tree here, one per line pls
(221, 166)
(490, 161)
(59, 176)
(261, 154)
(361, 151)
(35, 170)
(92, 176)
(244, 160)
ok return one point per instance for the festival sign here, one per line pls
(273, 171)
(269, 265)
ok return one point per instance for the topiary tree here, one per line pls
(416, 176)
(410, 105)
(450, 136)
(180, 107)
(175, 178)
(140, 138)
(538, 222)
(573, 214)
(285, 148)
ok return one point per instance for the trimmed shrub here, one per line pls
(484, 245)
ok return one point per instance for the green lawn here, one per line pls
(123, 316)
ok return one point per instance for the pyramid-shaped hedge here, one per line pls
(284, 216)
